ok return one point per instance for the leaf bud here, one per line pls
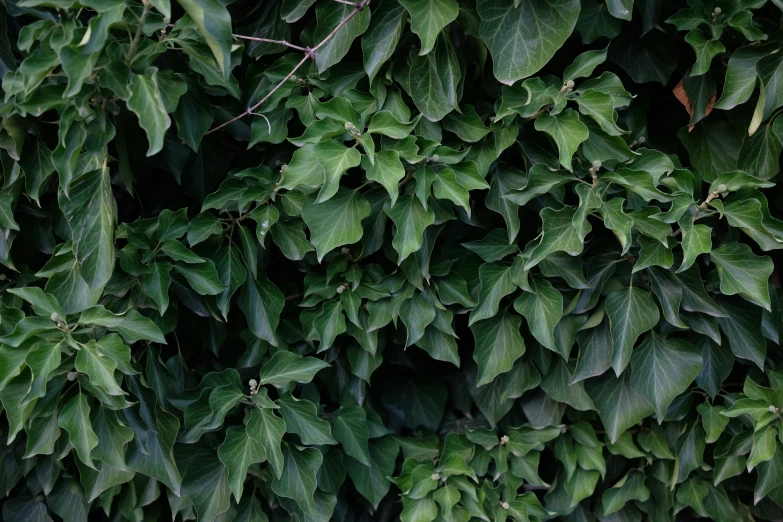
(435, 157)
(72, 376)
(717, 10)
(56, 317)
(721, 188)
(570, 84)
(435, 476)
(597, 164)
(505, 505)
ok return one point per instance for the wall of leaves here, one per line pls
(417, 260)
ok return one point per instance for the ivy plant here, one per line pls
(417, 260)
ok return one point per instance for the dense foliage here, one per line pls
(409, 260)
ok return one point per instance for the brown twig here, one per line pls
(267, 40)
(309, 53)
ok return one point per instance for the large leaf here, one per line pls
(335, 222)
(662, 368)
(631, 312)
(498, 345)
(523, 38)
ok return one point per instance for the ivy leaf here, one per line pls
(204, 481)
(298, 480)
(498, 345)
(496, 282)
(631, 312)
(430, 87)
(238, 452)
(146, 101)
(380, 40)
(523, 38)
(330, 15)
(301, 418)
(320, 165)
(387, 170)
(559, 235)
(705, 50)
(410, 219)
(619, 406)
(268, 429)
(567, 131)
(285, 367)
(543, 308)
(740, 77)
(214, 23)
(262, 303)
(742, 272)
(428, 18)
(371, 481)
(662, 368)
(89, 210)
(696, 240)
(350, 428)
(335, 222)
(75, 419)
(600, 107)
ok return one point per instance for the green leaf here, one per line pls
(146, 101)
(523, 38)
(205, 482)
(600, 107)
(372, 480)
(430, 86)
(350, 429)
(740, 77)
(298, 480)
(239, 451)
(75, 419)
(559, 235)
(619, 406)
(498, 345)
(662, 368)
(330, 15)
(567, 131)
(380, 40)
(631, 312)
(301, 418)
(268, 429)
(742, 272)
(630, 487)
(285, 367)
(543, 308)
(320, 165)
(584, 65)
(410, 219)
(99, 367)
(387, 170)
(262, 303)
(428, 18)
(214, 23)
(705, 51)
(713, 147)
(496, 282)
(89, 210)
(335, 222)
(696, 240)
(203, 278)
